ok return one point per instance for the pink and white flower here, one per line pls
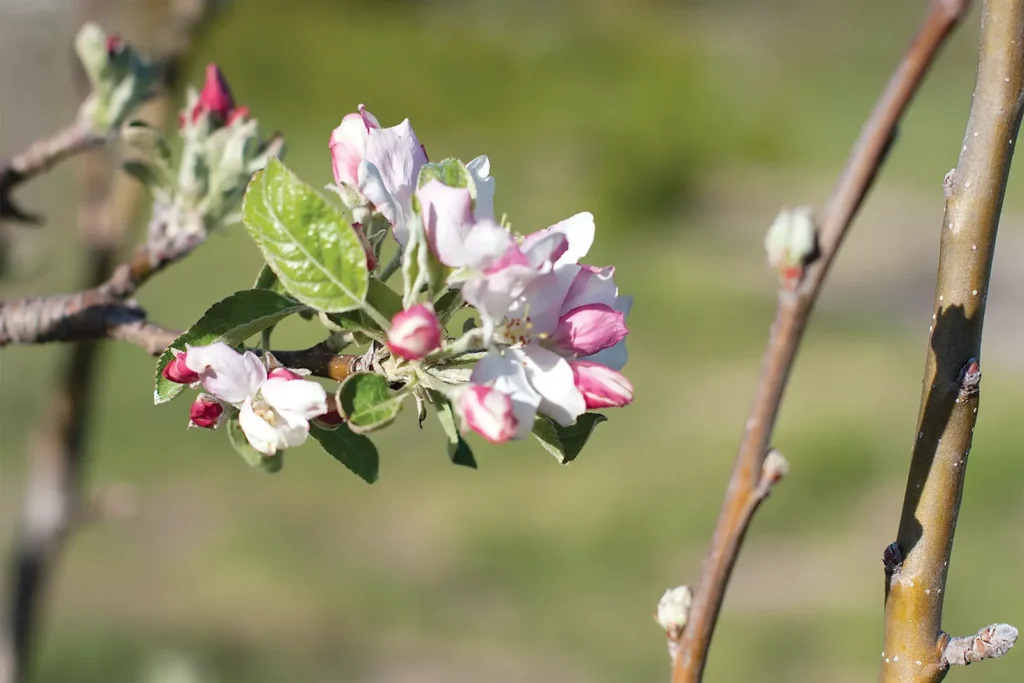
(488, 412)
(414, 332)
(601, 386)
(274, 408)
(382, 164)
(500, 375)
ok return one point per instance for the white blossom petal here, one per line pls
(230, 376)
(480, 169)
(261, 434)
(552, 377)
(398, 155)
(300, 398)
(447, 221)
(578, 230)
(507, 376)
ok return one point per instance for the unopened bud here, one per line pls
(283, 373)
(791, 242)
(215, 98)
(178, 372)
(674, 610)
(332, 418)
(774, 468)
(205, 412)
(414, 332)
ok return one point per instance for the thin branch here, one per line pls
(39, 157)
(52, 499)
(68, 317)
(914, 641)
(745, 492)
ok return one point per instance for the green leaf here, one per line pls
(450, 172)
(232, 321)
(309, 242)
(458, 450)
(565, 443)
(267, 463)
(366, 401)
(386, 300)
(267, 279)
(448, 304)
(354, 451)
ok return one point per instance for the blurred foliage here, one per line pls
(524, 570)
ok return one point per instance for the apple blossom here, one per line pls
(205, 412)
(414, 332)
(601, 386)
(381, 164)
(488, 412)
(275, 408)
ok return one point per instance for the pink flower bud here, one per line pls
(348, 145)
(601, 386)
(488, 412)
(332, 418)
(205, 412)
(176, 371)
(414, 332)
(585, 330)
(215, 98)
(114, 44)
(283, 373)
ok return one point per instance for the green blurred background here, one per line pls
(683, 126)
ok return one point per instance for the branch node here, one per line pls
(990, 642)
(773, 469)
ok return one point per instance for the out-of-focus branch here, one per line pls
(53, 492)
(916, 649)
(38, 158)
(746, 488)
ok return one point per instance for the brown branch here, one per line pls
(745, 490)
(914, 641)
(39, 157)
(52, 498)
(86, 314)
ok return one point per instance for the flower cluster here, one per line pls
(554, 328)
(273, 407)
(544, 343)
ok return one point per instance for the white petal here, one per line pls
(299, 398)
(592, 286)
(230, 376)
(507, 376)
(551, 375)
(398, 156)
(447, 220)
(372, 186)
(578, 229)
(486, 243)
(261, 434)
(543, 300)
(479, 169)
(292, 430)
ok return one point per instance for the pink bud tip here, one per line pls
(176, 371)
(215, 98)
(114, 44)
(488, 412)
(414, 332)
(205, 412)
(283, 373)
(601, 386)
